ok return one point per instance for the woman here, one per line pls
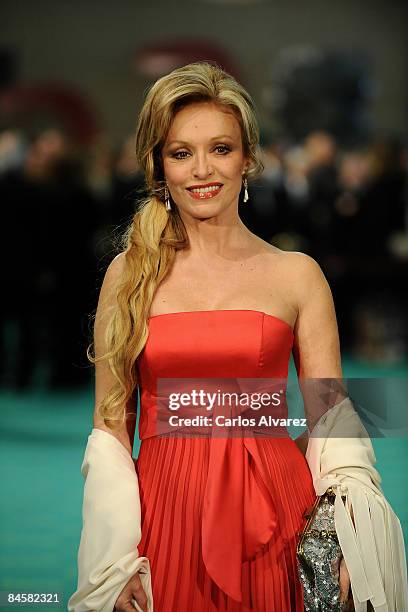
(195, 294)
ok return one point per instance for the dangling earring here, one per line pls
(246, 196)
(167, 198)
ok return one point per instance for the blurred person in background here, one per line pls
(12, 150)
(321, 170)
(375, 214)
(128, 184)
(115, 181)
(49, 221)
(269, 216)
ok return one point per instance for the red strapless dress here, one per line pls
(219, 515)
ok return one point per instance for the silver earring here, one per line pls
(246, 196)
(167, 198)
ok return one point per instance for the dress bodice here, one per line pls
(210, 344)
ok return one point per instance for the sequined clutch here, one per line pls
(318, 557)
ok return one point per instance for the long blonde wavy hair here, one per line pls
(154, 235)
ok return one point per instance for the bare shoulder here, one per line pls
(297, 273)
(292, 262)
(116, 267)
(295, 261)
(112, 276)
(304, 269)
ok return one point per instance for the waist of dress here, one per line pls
(228, 420)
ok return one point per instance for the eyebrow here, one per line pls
(183, 142)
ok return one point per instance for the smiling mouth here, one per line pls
(204, 193)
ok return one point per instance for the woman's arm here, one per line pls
(316, 347)
(111, 574)
(104, 378)
(317, 357)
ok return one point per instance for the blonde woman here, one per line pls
(196, 295)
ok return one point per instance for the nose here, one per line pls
(202, 167)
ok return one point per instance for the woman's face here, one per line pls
(203, 159)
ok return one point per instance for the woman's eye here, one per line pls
(179, 154)
(224, 149)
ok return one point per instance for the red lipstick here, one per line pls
(206, 191)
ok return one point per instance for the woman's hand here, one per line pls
(344, 577)
(132, 590)
(344, 583)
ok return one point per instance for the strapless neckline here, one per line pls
(223, 310)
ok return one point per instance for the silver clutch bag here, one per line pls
(318, 555)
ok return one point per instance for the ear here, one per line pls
(246, 167)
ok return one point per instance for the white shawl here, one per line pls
(374, 550)
(111, 532)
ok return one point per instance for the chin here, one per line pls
(205, 210)
(203, 215)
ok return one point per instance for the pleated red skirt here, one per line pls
(172, 475)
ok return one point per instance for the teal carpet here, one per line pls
(43, 438)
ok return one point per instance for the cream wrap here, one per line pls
(374, 550)
(111, 532)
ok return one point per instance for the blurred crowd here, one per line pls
(63, 209)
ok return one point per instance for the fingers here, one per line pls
(344, 581)
(130, 605)
(132, 597)
(138, 593)
(141, 601)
